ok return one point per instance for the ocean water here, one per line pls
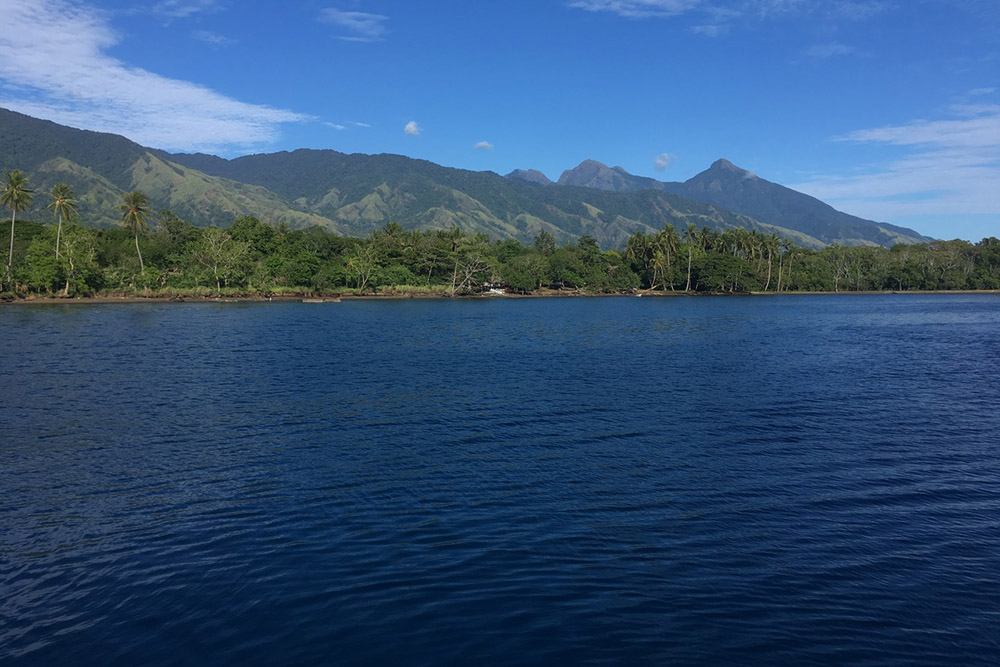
(774, 480)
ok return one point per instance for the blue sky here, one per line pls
(887, 109)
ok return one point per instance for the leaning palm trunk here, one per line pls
(142, 267)
(10, 253)
(688, 287)
(58, 235)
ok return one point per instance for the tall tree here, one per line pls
(771, 245)
(664, 244)
(63, 207)
(16, 196)
(135, 216)
(789, 249)
(690, 236)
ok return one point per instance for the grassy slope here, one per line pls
(348, 194)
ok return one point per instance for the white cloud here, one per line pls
(211, 38)
(483, 146)
(54, 65)
(829, 50)
(181, 9)
(947, 167)
(713, 17)
(412, 129)
(638, 8)
(361, 26)
(345, 125)
(710, 30)
(662, 161)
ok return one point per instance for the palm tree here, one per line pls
(771, 245)
(16, 196)
(789, 249)
(690, 236)
(63, 206)
(664, 243)
(135, 215)
(638, 252)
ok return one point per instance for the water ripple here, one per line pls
(648, 481)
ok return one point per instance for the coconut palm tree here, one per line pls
(63, 207)
(16, 196)
(690, 236)
(135, 216)
(789, 249)
(770, 245)
(664, 243)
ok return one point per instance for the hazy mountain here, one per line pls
(727, 186)
(724, 184)
(593, 174)
(363, 192)
(351, 194)
(530, 176)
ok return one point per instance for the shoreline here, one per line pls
(339, 298)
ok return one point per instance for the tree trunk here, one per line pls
(58, 235)
(688, 288)
(142, 267)
(10, 255)
(668, 272)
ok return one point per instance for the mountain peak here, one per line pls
(530, 175)
(725, 166)
(594, 174)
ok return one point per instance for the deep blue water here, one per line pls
(792, 480)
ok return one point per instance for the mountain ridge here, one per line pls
(733, 188)
(351, 194)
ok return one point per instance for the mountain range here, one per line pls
(727, 186)
(356, 194)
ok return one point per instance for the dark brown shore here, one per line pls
(334, 298)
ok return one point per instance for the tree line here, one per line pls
(161, 253)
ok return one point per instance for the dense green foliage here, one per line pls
(253, 257)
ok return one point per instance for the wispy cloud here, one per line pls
(710, 30)
(947, 167)
(412, 128)
(360, 26)
(638, 8)
(662, 161)
(829, 50)
(54, 64)
(715, 17)
(345, 125)
(181, 9)
(211, 38)
(483, 146)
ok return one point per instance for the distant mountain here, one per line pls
(530, 176)
(363, 192)
(593, 174)
(356, 194)
(100, 166)
(735, 189)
